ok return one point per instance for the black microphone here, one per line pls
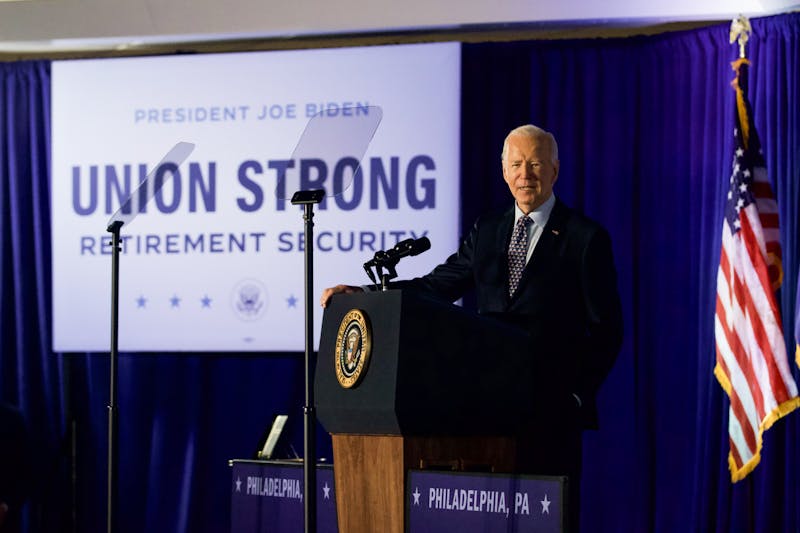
(388, 259)
(409, 247)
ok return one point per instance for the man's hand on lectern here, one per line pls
(330, 291)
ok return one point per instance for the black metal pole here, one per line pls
(307, 199)
(113, 421)
(310, 418)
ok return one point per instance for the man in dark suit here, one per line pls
(549, 270)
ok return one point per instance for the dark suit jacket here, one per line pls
(567, 300)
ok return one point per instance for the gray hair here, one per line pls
(532, 131)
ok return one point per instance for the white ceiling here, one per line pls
(67, 25)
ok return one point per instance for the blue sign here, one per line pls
(466, 503)
(268, 497)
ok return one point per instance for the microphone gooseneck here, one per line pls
(388, 259)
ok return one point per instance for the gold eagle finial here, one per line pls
(740, 31)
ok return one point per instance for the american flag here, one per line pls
(752, 365)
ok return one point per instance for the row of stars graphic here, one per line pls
(205, 301)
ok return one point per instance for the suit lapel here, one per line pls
(504, 232)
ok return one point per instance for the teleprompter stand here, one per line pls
(307, 199)
(328, 138)
(135, 204)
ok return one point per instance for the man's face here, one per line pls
(528, 170)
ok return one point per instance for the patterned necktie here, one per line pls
(517, 252)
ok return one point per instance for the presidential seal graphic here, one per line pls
(353, 348)
(249, 299)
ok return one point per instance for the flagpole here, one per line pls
(752, 364)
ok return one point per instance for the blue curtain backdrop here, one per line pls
(645, 135)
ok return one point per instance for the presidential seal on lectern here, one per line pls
(353, 348)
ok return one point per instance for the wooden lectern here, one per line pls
(442, 389)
